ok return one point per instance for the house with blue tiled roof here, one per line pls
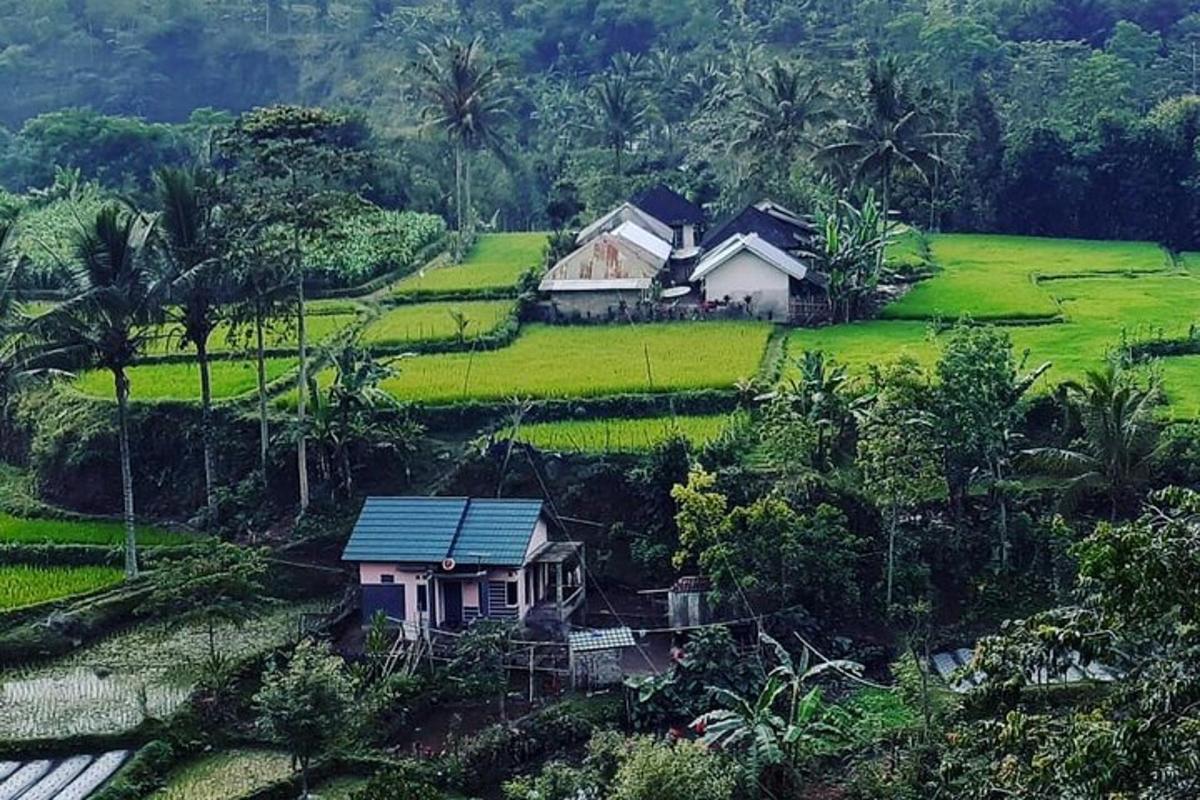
(443, 562)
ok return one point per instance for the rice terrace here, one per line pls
(599, 401)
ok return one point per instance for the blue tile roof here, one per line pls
(427, 530)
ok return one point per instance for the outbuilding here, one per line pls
(745, 268)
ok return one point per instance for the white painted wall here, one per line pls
(748, 274)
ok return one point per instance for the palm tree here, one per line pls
(621, 112)
(463, 95)
(1119, 441)
(777, 105)
(187, 239)
(116, 299)
(893, 135)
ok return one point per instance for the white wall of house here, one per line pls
(747, 274)
(594, 303)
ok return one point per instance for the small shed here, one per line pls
(687, 602)
(595, 655)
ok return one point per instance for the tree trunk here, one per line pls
(304, 778)
(467, 192)
(302, 405)
(260, 353)
(458, 188)
(886, 212)
(206, 422)
(121, 382)
(891, 557)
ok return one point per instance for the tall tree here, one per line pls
(891, 135)
(897, 452)
(117, 295)
(188, 238)
(464, 96)
(293, 165)
(620, 111)
(775, 109)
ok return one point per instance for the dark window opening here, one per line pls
(510, 593)
(387, 578)
(422, 597)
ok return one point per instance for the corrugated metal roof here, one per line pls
(607, 262)
(644, 239)
(768, 252)
(427, 530)
(600, 639)
(626, 212)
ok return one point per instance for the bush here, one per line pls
(143, 774)
(367, 242)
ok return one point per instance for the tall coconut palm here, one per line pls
(1119, 440)
(893, 135)
(620, 112)
(188, 241)
(464, 96)
(777, 106)
(117, 296)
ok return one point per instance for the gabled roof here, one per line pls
(775, 228)
(755, 244)
(626, 212)
(667, 205)
(428, 530)
(628, 258)
(659, 248)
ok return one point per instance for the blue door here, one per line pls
(388, 598)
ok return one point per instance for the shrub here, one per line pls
(364, 244)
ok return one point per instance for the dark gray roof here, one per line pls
(770, 228)
(427, 530)
(667, 205)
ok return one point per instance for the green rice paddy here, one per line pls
(226, 775)
(181, 381)
(586, 361)
(496, 262)
(82, 531)
(25, 585)
(421, 322)
(620, 435)
(318, 328)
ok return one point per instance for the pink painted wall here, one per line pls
(373, 573)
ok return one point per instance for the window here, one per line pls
(510, 594)
(387, 578)
(677, 238)
(422, 597)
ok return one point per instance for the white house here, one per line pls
(747, 267)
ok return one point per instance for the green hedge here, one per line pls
(141, 775)
(423, 258)
(27, 749)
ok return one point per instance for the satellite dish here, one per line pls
(448, 565)
(676, 291)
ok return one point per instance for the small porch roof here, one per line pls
(592, 639)
(556, 552)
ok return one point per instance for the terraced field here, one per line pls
(495, 263)
(112, 685)
(587, 361)
(226, 775)
(318, 328)
(72, 531)
(1090, 297)
(181, 380)
(25, 585)
(618, 435)
(423, 322)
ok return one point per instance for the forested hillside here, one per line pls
(1068, 116)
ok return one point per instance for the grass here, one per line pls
(432, 321)
(586, 361)
(24, 585)
(1103, 294)
(994, 277)
(226, 775)
(181, 381)
(70, 531)
(496, 262)
(339, 788)
(636, 435)
(318, 327)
